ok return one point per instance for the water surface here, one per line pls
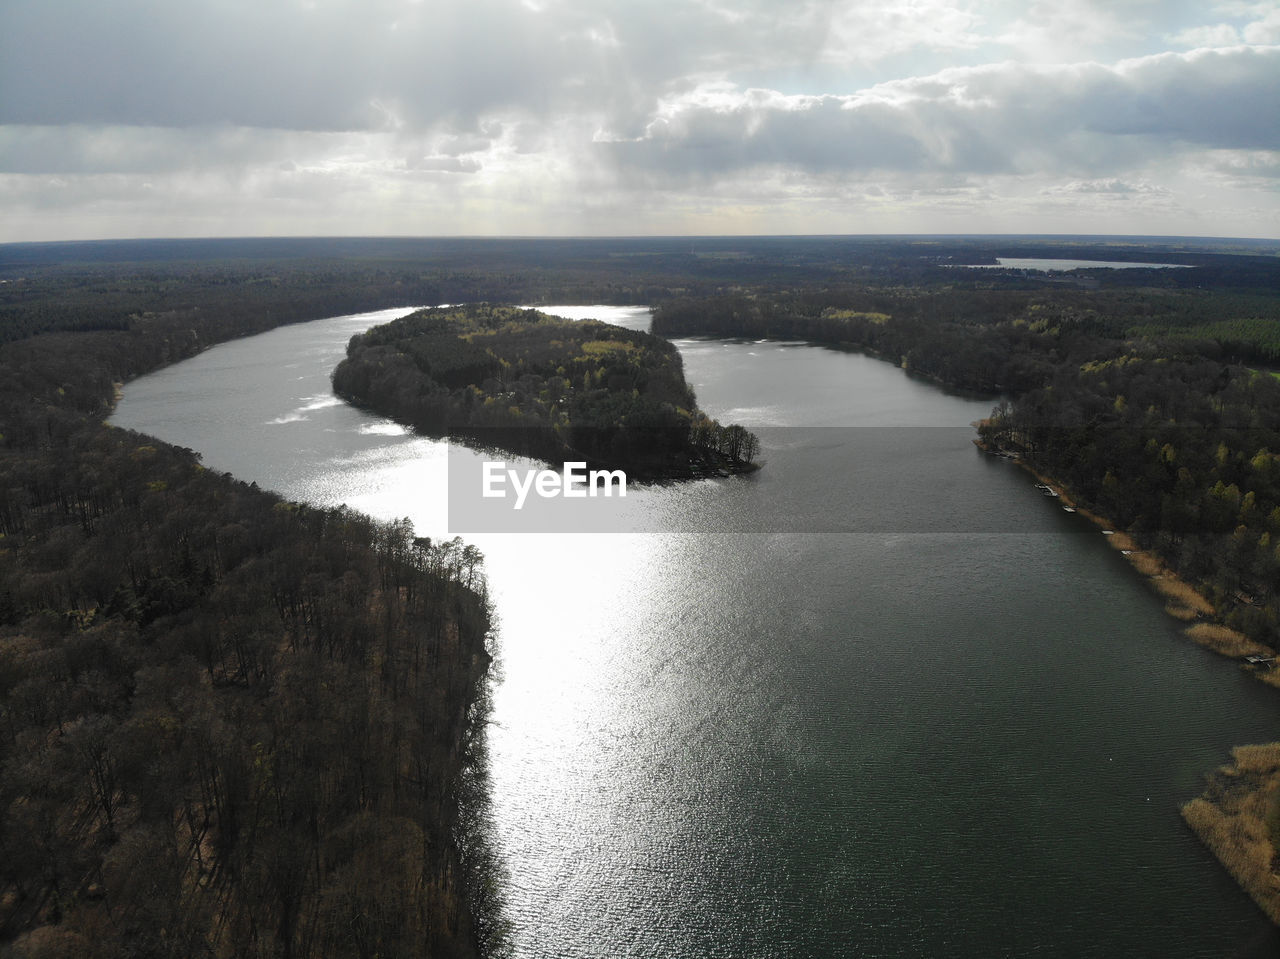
(968, 741)
(1049, 265)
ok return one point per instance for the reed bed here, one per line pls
(1182, 594)
(1231, 819)
(1146, 563)
(1227, 641)
(1119, 540)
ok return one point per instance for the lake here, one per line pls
(908, 706)
(1045, 265)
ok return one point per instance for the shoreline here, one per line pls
(1184, 601)
(1232, 823)
(465, 676)
(1233, 816)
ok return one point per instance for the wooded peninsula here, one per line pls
(544, 387)
(238, 726)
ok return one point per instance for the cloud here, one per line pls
(875, 31)
(348, 65)
(1084, 119)
(1266, 29)
(98, 149)
(1218, 35)
(1244, 168)
(370, 65)
(1255, 23)
(1111, 186)
(565, 116)
(334, 66)
(443, 164)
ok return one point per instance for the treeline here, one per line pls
(1181, 451)
(221, 301)
(260, 283)
(1247, 339)
(949, 338)
(229, 299)
(985, 339)
(1153, 429)
(229, 725)
(541, 386)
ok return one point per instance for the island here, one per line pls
(544, 387)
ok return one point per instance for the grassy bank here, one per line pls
(1233, 819)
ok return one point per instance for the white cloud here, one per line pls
(1243, 168)
(1266, 29)
(568, 116)
(875, 31)
(443, 164)
(1084, 119)
(1110, 185)
(1255, 23)
(1050, 31)
(1218, 35)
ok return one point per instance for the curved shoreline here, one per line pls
(1194, 858)
(553, 389)
(88, 433)
(1239, 814)
(1184, 600)
(1232, 816)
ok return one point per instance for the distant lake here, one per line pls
(963, 731)
(1051, 266)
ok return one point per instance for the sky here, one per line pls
(154, 118)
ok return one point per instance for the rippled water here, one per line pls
(967, 741)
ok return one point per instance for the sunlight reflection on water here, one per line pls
(795, 743)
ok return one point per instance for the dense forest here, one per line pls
(1121, 395)
(248, 285)
(231, 725)
(542, 386)
(236, 726)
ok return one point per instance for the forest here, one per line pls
(238, 726)
(229, 725)
(1123, 396)
(542, 386)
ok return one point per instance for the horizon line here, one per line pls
(646, 236)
